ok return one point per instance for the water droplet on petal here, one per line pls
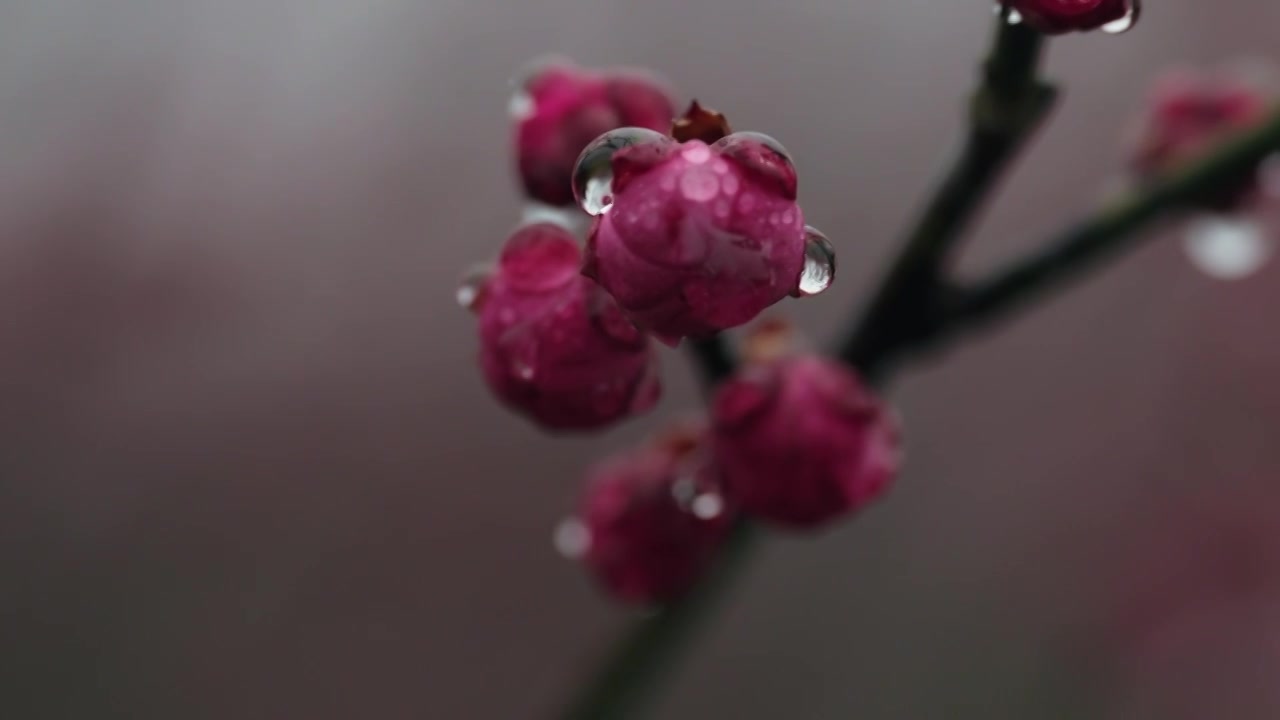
(593, 175)
(1126, 23)
(699, 184)
(819, 263)
(1227, 248)
(763, 156)
(571, 538)
(471, 289)
(707, 506)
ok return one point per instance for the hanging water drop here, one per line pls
(571, 538)
(1227, 248)
(1126, 23)
(470, 294)
(707, 506)
(593, 175)
(819, 263)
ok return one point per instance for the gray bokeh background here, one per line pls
(248, 469)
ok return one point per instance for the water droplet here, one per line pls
(522, 369)
(763, 156)
(1227, 248)
(566, 217)
(571, 538)
(707, 506)
(696, 152)
(521, 105)
(819, 263)
(470, 293)
(1126, 23)
(699, 184)
(593, 175)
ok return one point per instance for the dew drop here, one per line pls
(699, 184)
(696, 152)
(1227, 248)
(707, 506)
(571, 538)
(522, 369)
(1126, 23)
(470, 295)
(819, 263)
(593, 175)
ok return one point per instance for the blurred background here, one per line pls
(248, 468)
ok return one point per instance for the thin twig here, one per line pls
(1114, 230)
(1006, 110)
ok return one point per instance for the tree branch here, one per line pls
(1114, 230)
(1005, 111)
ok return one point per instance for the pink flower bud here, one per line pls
(553, 345)
(801, 442)
(1188, 114)
(1062, 16)
(561, 108)
(652, 522)
(691, 238)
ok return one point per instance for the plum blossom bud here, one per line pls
(694, 238)
(652, 520)
(1188, 114)
(1062, 16)
(801, 442)
(560, 108)
(553, 345)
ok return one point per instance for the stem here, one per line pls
(713, 359)
(1006, 110)
(1114, 230)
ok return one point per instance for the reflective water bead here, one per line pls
(819, 263)
(1126, 23)
(571, 538)
(593, 174)
(1227, 248)
(761, 156)
(470, 294)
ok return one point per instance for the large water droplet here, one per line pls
(571, 538)
(1227, 248)
(470, 295)
(819, 263)
(1126, 23)
(593, 175)
(762, 156)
